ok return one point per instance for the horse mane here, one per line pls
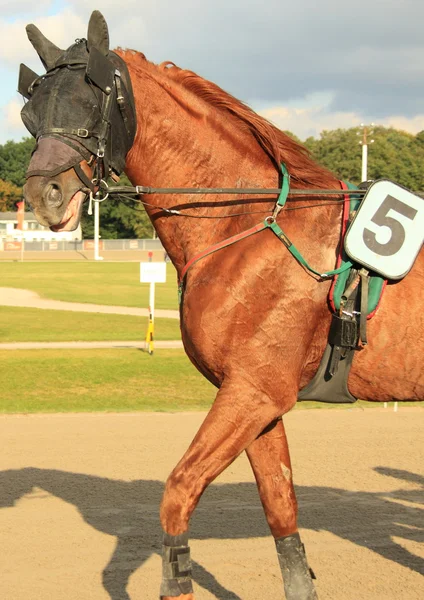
(279, 146)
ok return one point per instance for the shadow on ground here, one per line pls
(113, 507)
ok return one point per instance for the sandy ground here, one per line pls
(30, 299)
(79, 497)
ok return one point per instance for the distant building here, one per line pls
(32, 231)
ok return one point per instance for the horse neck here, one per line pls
(183, 141)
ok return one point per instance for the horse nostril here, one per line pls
(52, 194)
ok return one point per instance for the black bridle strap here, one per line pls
(80, 132)
(84, 178)
(105, 120)
(140, 189)
(123, 106)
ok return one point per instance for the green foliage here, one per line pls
(339, 151)
(394, 155)
(14, 160)
(9, 195)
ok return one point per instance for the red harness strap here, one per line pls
(215, 247)
(345, 219)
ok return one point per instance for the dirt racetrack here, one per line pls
(79, 497)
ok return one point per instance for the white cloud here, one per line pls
(11, 126)
(61, 29)
(305, 122)
(12, 113)
(413, 125)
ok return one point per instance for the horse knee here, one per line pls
(175, 508)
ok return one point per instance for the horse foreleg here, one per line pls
(237, 417)
(270, 460)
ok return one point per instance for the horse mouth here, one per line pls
(72, 216)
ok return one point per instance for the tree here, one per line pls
(339, 151)
(9, 195)
(394, 155)
(14, 160)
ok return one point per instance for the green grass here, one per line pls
(102, 380)
(92, 282)
(47, 381)
(39, 325)
(98, 380)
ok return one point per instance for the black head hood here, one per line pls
(67, 102)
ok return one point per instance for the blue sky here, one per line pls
(308, 65)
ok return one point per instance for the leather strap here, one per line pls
(83, 177)
(80, 132)
(365, 278)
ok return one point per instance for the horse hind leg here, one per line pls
(237, 417)
(270, 461)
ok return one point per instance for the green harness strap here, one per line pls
(271, 223)
(297, 255)
(268, 223)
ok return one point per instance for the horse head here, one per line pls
(74, 110)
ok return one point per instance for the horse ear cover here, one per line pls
(46, 50)
(98, 33)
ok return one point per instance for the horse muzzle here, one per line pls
(57, 202)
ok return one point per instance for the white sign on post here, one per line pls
(153, 272)
(387, 232)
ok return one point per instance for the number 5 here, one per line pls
(381, 219)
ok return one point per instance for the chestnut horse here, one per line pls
(254, 321)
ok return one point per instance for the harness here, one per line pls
(348, 293)
(268, 223)
(350, 308)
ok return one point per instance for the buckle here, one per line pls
(81, 132)
(102, 191)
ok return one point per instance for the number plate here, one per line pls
(388, 230)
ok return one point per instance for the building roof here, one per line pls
(13, 216)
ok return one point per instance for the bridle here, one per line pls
(104, 80)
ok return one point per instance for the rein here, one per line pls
(141, 190)
(269, 222)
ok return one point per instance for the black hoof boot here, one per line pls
(297, 575)
(176, 566)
